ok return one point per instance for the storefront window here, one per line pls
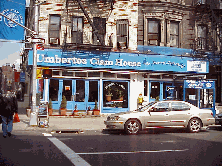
(206, 98)
(67, 89)
(93, 91)
(192, 96)
(53, 89)
(155, 90)
(115, 94)
(80, 90)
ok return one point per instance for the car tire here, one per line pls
(194, 125)
(132, 127)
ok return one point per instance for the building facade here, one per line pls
(111, 51)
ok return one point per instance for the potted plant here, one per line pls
(96, 111)
(109, 94)
(75, 112)
(63, 106)
(50, 107)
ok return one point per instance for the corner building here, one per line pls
(111, 51)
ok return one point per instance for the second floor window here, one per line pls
(201, 37)
(122, 28)
(100, 24)
(54, 29)
(77, 29)
(153, 32)
(174, 34)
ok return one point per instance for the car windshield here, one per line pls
(145, 107)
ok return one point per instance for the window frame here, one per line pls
(52, 27)
(149, 33)
(120, 35)
(202, 40)
(177, 36)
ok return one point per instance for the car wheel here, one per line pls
(194, 125)
(132, 127)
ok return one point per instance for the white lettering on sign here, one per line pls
(41, 58)
(97, 61)
(181, 65)
(120, 62)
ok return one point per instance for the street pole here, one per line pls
(34, 113)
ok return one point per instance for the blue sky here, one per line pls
(10, 53)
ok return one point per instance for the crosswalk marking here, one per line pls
(69, 153)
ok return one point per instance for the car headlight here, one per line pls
(113, 118)
(216, 116)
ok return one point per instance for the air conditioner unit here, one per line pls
(53, 41)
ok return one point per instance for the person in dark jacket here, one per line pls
(9, 106)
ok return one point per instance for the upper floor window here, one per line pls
(201, 37)
(54, 29)
(122, 28)
(100, 24)
(153, 32)
(174, 34)
(77, 29)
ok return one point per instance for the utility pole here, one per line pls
(34, 113)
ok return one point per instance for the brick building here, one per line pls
(124, 47)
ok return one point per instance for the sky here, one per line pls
(10, 53)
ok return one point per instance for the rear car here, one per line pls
(218, 119)
(162, 114)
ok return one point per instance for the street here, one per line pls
(154, 147)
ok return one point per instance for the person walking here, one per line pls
(9, 106)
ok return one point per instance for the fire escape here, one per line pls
(91, 9)
(209, 12)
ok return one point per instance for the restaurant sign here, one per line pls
(118, 60)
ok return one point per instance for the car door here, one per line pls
(159, 115)
(180, 113)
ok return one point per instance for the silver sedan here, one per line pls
(177, 114)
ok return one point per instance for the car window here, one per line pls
(161, 107)
(144, 108)
(179, 106)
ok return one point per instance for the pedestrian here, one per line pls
(140, 100)
(9, 106)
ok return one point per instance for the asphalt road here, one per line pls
(155, 147)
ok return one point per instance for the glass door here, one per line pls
(54, 93)
(67, 92)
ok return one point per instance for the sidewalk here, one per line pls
(61, 123)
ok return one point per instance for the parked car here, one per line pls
(161, 114)
(218, 119)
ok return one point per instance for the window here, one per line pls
(80, 90)
(53, 89)
(201, 37)
(54, 29)
(155, 90)
(115, 94)
(174, 34)
(161, 107)
(100, 24)
(93, 91)
(153, 32)
(122, 26)
(178, 106)
(67, 89)
(77, 29)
